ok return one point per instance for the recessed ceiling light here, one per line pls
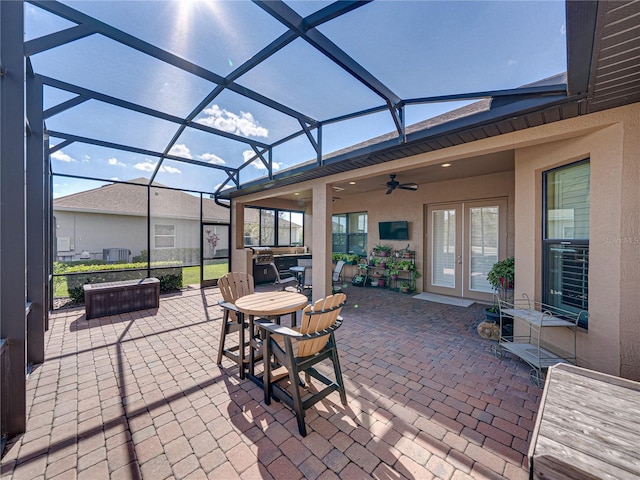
(296, 193)
(352, 183)
(445, 165)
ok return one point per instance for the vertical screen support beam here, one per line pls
(13, 279)
(36, 224)
(50, 240)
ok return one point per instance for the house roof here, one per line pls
(130, 198)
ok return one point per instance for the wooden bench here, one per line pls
(111, 298)
(587, 427)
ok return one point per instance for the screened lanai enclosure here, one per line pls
(151, 116)
(145, 121)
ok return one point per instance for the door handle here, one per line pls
(459, 259)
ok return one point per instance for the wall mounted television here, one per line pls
(393, 230)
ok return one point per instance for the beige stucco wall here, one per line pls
(612, 342)
(410, 206)
(612, 140)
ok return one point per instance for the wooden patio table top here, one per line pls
(271, 304)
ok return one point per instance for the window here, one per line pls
(164, 235)
(566, 237)
(273, 227)
(349, 233)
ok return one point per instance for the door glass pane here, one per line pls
(215, 242)
(483, 233)
(444, 248)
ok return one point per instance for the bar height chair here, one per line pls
(297, 350)
(234, 285)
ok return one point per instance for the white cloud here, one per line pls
(257, 163)
(512, 62)
(212, 158)
(61, 156)
(227, 186)
(180, 150)
(145, 166)
(563, 30)
(243, 124)
(149, 167)
(115, 162)
(169, 169)
(115, 179)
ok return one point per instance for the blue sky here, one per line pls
(416, 48)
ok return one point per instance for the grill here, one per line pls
(262, 255)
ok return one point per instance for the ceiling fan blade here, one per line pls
(389, 191)
(408, 186)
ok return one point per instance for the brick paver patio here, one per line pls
(139, 395)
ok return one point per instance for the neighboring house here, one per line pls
(110, 223)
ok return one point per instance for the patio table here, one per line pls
(267, 304)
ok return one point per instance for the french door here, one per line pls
(464, 240)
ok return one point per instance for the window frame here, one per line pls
(349, 236)
(155, 235)
(581, 243)
(276, 227)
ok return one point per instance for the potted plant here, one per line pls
(382, 250)
(502, 278)
(351, 258)
(502, 274)
(393, 272)
(405, 287)
(405, 265)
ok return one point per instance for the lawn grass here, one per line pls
(190, 276)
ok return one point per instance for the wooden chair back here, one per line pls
(316, 318)
(234, 285)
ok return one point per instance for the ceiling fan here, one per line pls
(393, 184)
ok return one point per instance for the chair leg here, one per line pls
(240, 317)
(223, 335)
(338, 372)
(266, 376)
(294, 379)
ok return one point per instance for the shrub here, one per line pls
(169, 274)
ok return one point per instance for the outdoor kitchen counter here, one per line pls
(283, 261)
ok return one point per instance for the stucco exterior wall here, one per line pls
(91, 232)
(611, 139)
(611, 344)
(411, 206)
